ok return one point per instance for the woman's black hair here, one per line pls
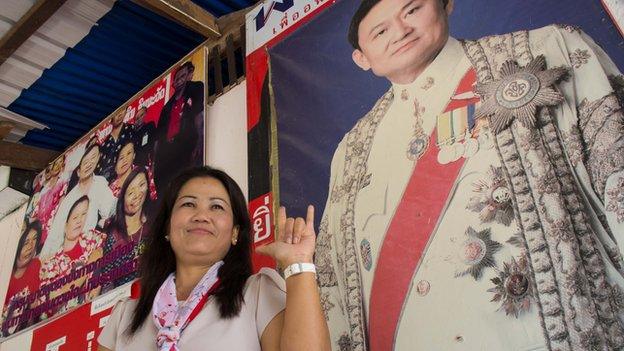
(118, 222)
(73, 179)
(158, 259)
(36, 226)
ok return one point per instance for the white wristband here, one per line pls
(297, 268)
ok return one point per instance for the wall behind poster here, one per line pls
(333, 93)
(89, 246)
(266, 25)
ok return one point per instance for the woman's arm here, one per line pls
(302, 325)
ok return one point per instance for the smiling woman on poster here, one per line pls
(123, 166)
(196, 283)
(80, 247)
(25, 279)
(85, 183)
(129, 225)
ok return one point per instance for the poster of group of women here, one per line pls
(90, 214)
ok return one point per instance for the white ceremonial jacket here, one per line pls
(526, 252)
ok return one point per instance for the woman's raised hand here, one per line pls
(295, 239)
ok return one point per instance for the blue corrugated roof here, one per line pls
(127, 49)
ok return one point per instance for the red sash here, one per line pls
(413, 223)
(201, 303)
(199, 306)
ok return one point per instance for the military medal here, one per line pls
(365, 252)
(420, 141)
(477, 253)
(458, 151)
(445, 154)
(492, 199)
(416, 148)
(513, 287)
(453, 127)
(518, 93)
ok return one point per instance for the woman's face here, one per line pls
(76, 221)
(125, 159)
(57, 166)
(47, 173)
(135, 195)
(88, 163)
(202, 223)
(28, 250)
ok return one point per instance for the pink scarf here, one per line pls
(171, 319)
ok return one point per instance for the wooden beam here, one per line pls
(5, 128)
(231, 59)
(233, 21)
(187, 14)
(25, 157)
(26, 26)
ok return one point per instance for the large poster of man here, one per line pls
(472, 189)
(88, 220)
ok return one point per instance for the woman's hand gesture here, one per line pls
(295, 239)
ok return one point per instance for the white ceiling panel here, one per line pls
(19, 73)
(66, 28)
(39, 52)
(15, 9)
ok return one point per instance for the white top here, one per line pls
(264, 298)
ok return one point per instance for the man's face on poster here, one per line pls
(398, 39)
(117, 119)
(140, 115)
(180, 78)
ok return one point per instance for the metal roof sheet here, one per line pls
(87, 60)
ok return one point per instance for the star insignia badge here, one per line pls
(519, 93)
(477, 253)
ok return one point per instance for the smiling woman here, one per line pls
(129, 226)
(24, 279)
(84, 182)
(123, 166)
(196, 281)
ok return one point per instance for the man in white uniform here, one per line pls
(480, 204)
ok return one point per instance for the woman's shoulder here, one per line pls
(265, 294)
(265, 285)
(125, 305)
(266, 276)
(122, 311)
(117, 323)
(100, 181)
(34, 264)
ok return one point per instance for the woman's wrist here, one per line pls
(298, 268)
(295, 259)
